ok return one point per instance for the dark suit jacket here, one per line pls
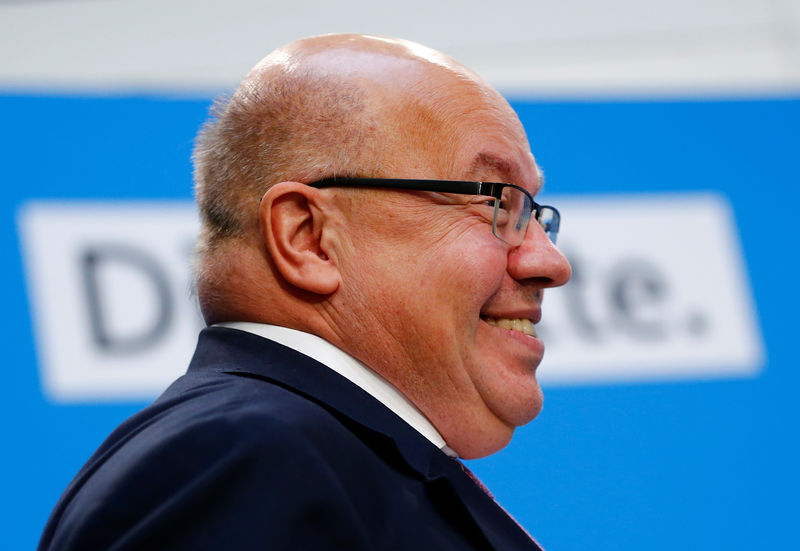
(261, 447)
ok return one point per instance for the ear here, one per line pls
(292, 224)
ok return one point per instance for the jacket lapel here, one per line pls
(238, 352)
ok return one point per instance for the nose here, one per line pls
(538, 259)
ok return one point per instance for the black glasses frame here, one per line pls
(462, 187)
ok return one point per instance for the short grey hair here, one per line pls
(299, 127)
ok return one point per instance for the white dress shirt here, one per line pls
(349, 368)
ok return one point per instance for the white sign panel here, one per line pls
(659, 292)
(110, 288)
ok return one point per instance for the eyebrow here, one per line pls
(540, 177)
(508, 170)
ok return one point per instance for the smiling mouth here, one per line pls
(522, 325)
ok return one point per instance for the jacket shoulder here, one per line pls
(208, 463)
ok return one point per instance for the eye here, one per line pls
(483, 206)
(490, 202)
(482, 201)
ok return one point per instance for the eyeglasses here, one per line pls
(512, 204)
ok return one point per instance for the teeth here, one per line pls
(522, 325)
(505, 323)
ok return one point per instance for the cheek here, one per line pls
(442, 268)
(469, 274)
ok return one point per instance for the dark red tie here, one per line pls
(483, 487)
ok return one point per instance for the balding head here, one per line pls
(341, 105)
(333, 105)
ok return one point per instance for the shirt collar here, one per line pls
(350, 368)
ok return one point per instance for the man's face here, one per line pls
(432, 287)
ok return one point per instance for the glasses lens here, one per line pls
(511, 215)
(550, 220)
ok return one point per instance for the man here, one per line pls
(371, 318)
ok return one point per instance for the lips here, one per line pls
(523, 325)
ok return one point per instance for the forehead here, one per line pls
(489, 141)
(455, 124)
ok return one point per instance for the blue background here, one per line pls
(689, 465)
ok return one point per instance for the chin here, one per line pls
(521, 410)
(483, 445)
(498, 428)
